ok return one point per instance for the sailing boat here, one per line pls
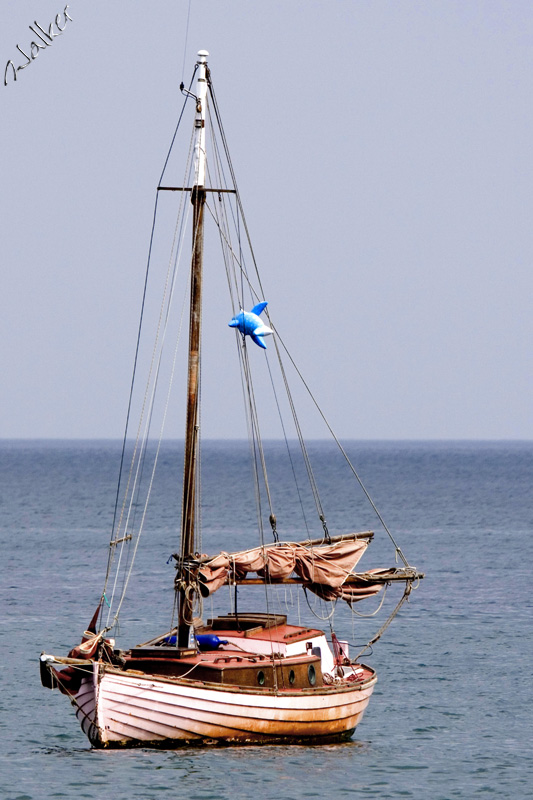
(241, 677)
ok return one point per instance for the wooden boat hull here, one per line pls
(120, 709)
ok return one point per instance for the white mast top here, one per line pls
(201, 95)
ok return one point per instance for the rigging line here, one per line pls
(151, 406)
(305, 455)
(223, 181)
(241, 346)
(319, 616)
(226, 245)
(217, 156)
(136, 356)
(138, 476)
(255, 443)
(234, 180)
(140, 458)
(376, 611)
(343, 451)
(240, 253)
(156, 457)
(251, 443)
(302, 444)
(177, 127)
(233, 253)
(230, 165)
(186, 38)
(253, 408)
(231, 261)
(233, 177)
(252, 437)
(224, 227)
(171, 270)
(177, 259)
(260, 445)
(235, 216)
(181, 222)
(381, 631)
(128, 413)
(287, 444)
(220, 218)
(226, 253)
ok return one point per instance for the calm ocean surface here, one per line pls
(451, 715)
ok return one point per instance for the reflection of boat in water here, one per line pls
(242, 677)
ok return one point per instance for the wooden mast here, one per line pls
(188, 514)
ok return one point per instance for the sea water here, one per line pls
(451, 714)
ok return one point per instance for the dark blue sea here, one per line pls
(451, 714)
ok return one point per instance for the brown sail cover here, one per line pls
(323, 569)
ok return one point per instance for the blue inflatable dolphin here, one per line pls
(249, 324)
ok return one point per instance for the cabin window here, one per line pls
(292, 677)
(311, 674)
(261, 678)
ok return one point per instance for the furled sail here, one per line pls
(323, 569)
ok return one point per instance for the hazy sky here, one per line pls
(384, 152)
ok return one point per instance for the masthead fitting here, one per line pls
(202, 56)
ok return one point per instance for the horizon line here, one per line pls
(266, 439)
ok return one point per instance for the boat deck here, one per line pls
(248, 650)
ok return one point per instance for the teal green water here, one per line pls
(450, 717)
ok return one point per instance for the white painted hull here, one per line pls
(85, 705)
(117, 709)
